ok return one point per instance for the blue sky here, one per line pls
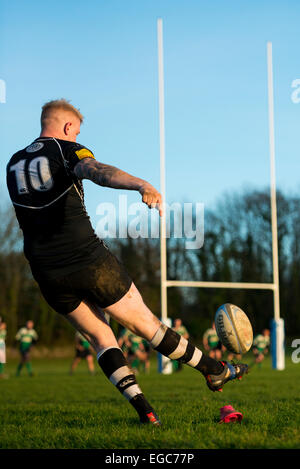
(102, 55)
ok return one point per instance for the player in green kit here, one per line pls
(133, 346)
(182, 331)
(261, 344)
(212, 343)
(2, 349)
(180, 328)
(138, 352)
(123, 341)
(82, 350)
(27, 336)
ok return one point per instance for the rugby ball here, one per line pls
(234, 328)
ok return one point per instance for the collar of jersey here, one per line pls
(52, 138)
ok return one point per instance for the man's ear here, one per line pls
(67, 128)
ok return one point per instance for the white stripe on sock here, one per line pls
(159, 335)
(132, 391)
(195, 358)
(180, 349)
(119, 374)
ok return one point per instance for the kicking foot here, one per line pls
(230, 372)
(151, 418)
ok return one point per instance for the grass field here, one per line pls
(55, 410)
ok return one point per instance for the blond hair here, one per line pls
(58, 104)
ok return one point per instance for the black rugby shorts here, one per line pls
(82, 353)
(103, 282)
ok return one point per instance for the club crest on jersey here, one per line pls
(34, 147)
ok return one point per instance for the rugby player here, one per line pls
(180, 328)
(2, 348)
(82, 350)
(182, 331)
(261, 345)
(133, 348)
(78, 276)
(211, 343)
(27, 336)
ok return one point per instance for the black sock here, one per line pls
(172, 345)
(115, 367)
(209, 366)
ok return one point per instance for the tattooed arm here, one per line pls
(110, 176)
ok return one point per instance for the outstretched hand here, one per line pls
(151, 197)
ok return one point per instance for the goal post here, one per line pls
(164, 363)
(163, 238)
(277, 324)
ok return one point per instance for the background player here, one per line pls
(133, 348)
(82, 350)
(27, 337)
(2, 349)
(182, 331)
(212, 343)
(261, 345)
(77, 274)
(123, 341)
(180, 328)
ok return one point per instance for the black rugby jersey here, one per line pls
(49, 202)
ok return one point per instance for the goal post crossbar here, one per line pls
(206, 284)
(163, 248)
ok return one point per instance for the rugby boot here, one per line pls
(229, 373)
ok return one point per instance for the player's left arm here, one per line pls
(110, 176)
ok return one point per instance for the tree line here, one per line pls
(237, 247)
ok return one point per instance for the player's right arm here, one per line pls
(110, 176)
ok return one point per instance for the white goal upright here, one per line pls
(277, 324)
